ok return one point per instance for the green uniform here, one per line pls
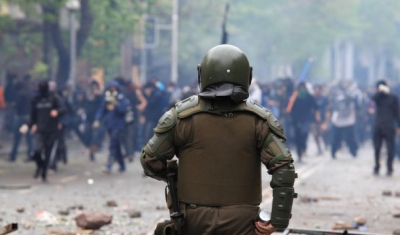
(220, 151)
(221, 144)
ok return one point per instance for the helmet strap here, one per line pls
(199, 75)
(251, 74)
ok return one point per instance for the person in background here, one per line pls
(345, 102)
(302, 114)
(386, 121)
(46, 110)
(22, 110)
(154, 109)
(93, 138)
(113, 109)
(320, 127)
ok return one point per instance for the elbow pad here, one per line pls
(283, 194)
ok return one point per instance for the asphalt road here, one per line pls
(330, 191)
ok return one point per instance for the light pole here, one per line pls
(174, 47)
(72, 6)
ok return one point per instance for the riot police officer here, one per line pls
(221, 139)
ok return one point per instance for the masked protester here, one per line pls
(46, 110)
(387, 116)
(221, 139)
(302, 114)
(113, 109)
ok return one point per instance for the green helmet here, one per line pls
(224, 64)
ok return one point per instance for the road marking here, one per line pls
(69, 179)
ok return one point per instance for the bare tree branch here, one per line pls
(85, 25)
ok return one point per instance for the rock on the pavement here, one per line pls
(93, 220)
(134, 213)
(396, 215)
(20, 209)
(396, 232)
(387, 193)
(112, 203)
(63, 212)
(360, 220)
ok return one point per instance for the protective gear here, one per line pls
(167, 121)
(224, 64)
(223, 90)
(283, 193)
(278, 148)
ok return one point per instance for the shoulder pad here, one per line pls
(276, 126)
(188, 106)
(166, 122)
(265, 114)
(258, 109)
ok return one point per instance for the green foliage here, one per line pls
(39, 70)
(113, 22)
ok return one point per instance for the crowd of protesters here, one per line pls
(335, 115)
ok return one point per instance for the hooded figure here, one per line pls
(112, 111)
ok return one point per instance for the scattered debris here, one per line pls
(134, 213)
(112, 203)
(63, 212)
(76, 207)
(45, 216)
(387, 193)
(342, 225)
(161, 208)
(20, 209)
(9, 228)
(360, 221)
(396, 215)
(307, 199)
(27, 225)
(396, 232)
(92, 220)
(59, 232)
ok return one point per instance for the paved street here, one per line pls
(329, 191)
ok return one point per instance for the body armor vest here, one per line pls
(220, 165)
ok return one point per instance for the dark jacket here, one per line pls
(115, 118)
(155, 105)
(387, 111)
(41, 107)
(304, 108)
(22, 107)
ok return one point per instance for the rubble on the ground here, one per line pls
(387, 193)
(360, 221)
(63, 212)
(112, 203)
(134, 213)
(93, 220)
(20, 209)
